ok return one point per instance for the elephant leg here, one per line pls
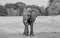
(31, 30)
(26, 30)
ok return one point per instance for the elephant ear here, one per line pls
(25, 13)
(35, 13)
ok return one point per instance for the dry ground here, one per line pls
(44, 27)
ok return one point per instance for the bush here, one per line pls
(21, 7)
(54, 8)
(3, 11)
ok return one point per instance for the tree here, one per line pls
(13, 9)
(20, 3)
(43, 10)
(54, 7)
(3, 11)
(8, 6)
(21, 7)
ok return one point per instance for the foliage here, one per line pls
(3, 11)
(8, 6)
(16, 6)
(54, 7)
(21, 7)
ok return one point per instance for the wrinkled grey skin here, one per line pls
(29, 16)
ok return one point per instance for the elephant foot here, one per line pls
(31, 34)
(27, 34)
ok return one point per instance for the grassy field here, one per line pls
(44, 27)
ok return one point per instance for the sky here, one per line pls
(28, 2)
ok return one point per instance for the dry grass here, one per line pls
(44, 27)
